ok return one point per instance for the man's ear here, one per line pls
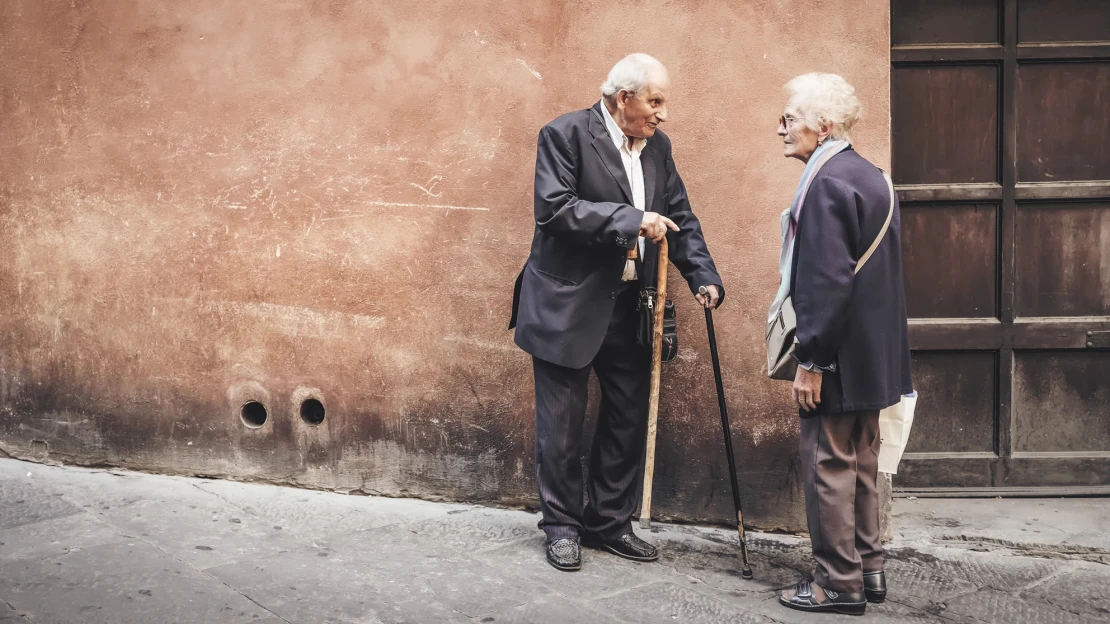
(623, 97)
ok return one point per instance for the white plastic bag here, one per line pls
(894, 432)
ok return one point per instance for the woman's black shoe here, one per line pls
(835, 602)
(564, 554)
(874, 586)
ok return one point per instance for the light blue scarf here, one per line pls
(791, 215)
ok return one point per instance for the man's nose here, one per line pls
(662, 114)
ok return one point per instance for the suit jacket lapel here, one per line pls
(603, 143)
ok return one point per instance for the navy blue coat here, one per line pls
(585, 225)
(857, 321)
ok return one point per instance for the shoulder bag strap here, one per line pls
(886, 226)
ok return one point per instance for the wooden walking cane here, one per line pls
(656, 365)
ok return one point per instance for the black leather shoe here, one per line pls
(835, 602)
(628, 546)
(874, 586)
(564, 554)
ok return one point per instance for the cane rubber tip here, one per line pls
(746, 574)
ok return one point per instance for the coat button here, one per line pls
(613, 295)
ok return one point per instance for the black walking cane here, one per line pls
(746, 571)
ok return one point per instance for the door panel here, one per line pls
(956, 279)
(939, 140)
(1062, 21)
(1062, 123)
(945, 21)
(1061, 402)
(1063, 268)
(958, 416)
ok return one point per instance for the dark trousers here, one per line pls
(624, 372)
(840, 465)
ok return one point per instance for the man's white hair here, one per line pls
(632, 73)
(828, 98)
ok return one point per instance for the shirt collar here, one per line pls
(615, 131)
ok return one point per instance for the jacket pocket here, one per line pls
(555, 278)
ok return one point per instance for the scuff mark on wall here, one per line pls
(529, 68)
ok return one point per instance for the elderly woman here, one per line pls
(841, 270)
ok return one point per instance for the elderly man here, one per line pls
(605, 185)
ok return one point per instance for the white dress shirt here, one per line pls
(630, 156)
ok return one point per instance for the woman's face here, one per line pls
(799, 141)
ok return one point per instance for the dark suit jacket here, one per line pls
(585, 224)
(857, 321)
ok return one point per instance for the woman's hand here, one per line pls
(709, 297)
(807, 388)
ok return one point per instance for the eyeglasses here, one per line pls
(785, 121)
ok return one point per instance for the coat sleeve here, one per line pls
(560, 212)
(824, 275)
(688, 250)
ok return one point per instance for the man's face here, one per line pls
(640, 114)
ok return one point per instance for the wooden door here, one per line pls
(1001, 156)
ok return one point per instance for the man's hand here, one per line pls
(709, 297)
(807, 388)
(654, 226)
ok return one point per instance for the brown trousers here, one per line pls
(840, 465)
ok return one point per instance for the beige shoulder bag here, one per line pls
(782, 329)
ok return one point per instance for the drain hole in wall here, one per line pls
(312, 411)
(253, 414)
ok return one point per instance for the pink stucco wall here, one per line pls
(207, 202)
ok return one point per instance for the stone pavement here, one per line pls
(94, 546)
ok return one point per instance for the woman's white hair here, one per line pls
(819, 97)
(632, 73)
